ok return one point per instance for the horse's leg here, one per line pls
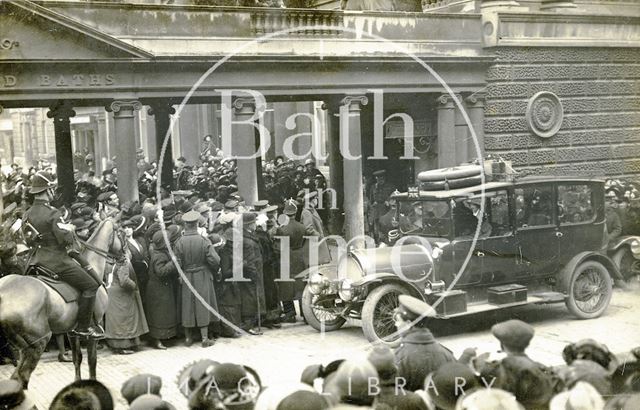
(76, 354)
(92, 357)
(30, 352)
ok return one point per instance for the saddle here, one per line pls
(51, 279)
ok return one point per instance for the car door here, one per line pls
(538, 236)
(494, 258)
(580, 219)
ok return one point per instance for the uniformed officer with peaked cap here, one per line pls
(419, 353)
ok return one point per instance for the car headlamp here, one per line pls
(317, 283)
(635, 247)
(436, 252)
(345, 291)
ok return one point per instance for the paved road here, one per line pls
(280, 355)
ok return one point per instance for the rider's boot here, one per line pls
(85, 313)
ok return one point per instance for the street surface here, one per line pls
(280, 355)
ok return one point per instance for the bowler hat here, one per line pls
(141, 384)
(451, 381)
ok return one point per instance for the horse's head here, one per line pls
(107, 240)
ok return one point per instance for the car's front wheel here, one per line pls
(377, 314)
(589, 290)
(628, 265)
(321, 312)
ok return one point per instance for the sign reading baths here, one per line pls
(70, 80)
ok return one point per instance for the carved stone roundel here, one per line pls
(544, 114)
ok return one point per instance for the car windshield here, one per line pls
(429, 218)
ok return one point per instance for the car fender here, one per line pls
(564, 275)
(371, 281)
(623, 241)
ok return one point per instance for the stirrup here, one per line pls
(90, 332)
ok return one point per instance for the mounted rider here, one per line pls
(53, 249)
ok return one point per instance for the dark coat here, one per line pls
(314, 227)
(295, 231)
(124, 318)
(418, 355)
(228, 291)
(251, 292)
(269, 270)
(199, 262)
(532, 383)
(140, 263)
(161, 307)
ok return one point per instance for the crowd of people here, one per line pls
(150, 296)
(420, 374)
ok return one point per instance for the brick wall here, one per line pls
(600, 92)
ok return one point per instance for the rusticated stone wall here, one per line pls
(599, 90)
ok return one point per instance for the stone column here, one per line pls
(102, 153)
(351, 146)
(124, 128)
(446, 132)
(557, 5)
(244, 144)
(475, 109)
(64, 153)
(161, 113)
(336, 173)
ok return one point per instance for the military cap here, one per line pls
(136, 222)
(447, 381)
(77, 206)
(269, 209)
(191, 217)
(150, 402)
(12, 396)
(260, 205)
(412, 308)
(105, 196)
(380, 172)
(231, 205)
(514, 333)
(201, 208)
(290, 208)
(248, 218)
(139, 385)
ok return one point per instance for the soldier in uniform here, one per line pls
(53, 240)
(380, 193)
(419, 353)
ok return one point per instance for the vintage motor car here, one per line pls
(468, 247)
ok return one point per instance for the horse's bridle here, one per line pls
(105, 253)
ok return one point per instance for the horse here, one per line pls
(31, 311)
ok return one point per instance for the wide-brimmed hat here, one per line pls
(136, 222)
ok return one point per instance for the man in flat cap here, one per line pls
(199, 262)
(419, 353)
(532, 383)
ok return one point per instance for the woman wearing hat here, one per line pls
(161, 308)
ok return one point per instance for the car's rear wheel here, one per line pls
(589, 290)
(628, 265)
(321, 312)
(377, 314)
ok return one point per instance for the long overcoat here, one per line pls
(124, 318)
(161, 307)
(314, 227)
(295, 231)
(251, 292)
(199, 261)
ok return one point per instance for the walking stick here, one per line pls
(258, 301)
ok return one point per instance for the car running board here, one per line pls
(534, 299)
